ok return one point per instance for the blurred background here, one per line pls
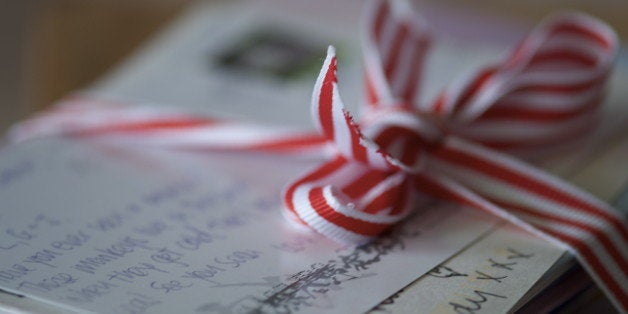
(51, 47)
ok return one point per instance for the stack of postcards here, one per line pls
(97, 225)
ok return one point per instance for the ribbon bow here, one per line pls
(547, 91)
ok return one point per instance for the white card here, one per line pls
(95, 226)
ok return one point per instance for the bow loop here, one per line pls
(395, 42)
(337, 125)
(349, 201)
(549, 89)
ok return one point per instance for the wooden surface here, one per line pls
(74, 42)
(49, 48)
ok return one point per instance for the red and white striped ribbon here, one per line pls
(85, 116)
(547, 91)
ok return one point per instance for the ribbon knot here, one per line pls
(405, 134)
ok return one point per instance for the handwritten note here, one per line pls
(486, 278)
(95, 226)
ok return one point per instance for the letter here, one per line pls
(475, 305)
(90, 264)
(484, 276)
(42, 257)
(502, 265)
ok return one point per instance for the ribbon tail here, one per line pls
(348, 201)
(149, 126)
(544, 205)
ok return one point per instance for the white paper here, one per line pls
(100, 227)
